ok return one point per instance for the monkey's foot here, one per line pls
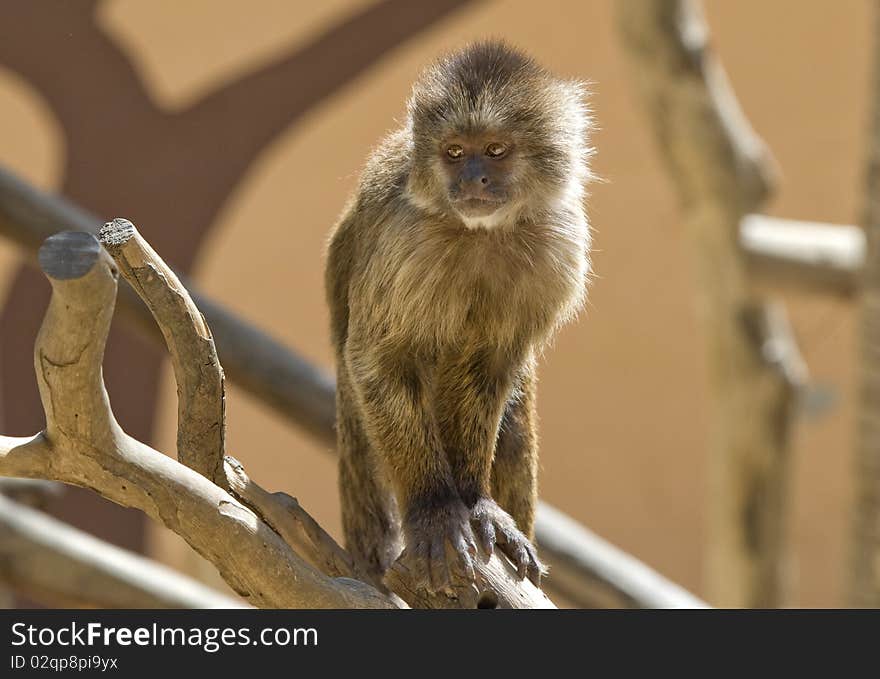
(493, 526)
(440, 546)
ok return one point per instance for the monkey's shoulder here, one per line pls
(379, 194)
(383, 179)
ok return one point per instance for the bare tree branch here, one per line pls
(83, 445)
(723, 172)
(291, 522)
(58, 565)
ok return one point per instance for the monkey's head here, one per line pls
(495, 136)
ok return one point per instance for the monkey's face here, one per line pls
(477, 173)
(494, 138)
(487, 172)
(490, 173)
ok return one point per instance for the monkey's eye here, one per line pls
(496, 149)
(455, 151)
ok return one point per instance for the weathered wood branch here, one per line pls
(804, 256)
(58, 565)
(263, 366)
(723, 172)
(864, 580)
(83, 444)
(291, 522)
(201, 397)
(248, 554)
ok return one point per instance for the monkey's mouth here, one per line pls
(477, 207)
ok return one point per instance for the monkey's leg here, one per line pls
(401, 429)
(471, 394)
(369, 516)
(515, 468)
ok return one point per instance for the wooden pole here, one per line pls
(722, 172)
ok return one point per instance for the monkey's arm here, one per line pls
(472, 392)
(472, 388)
(398, 420)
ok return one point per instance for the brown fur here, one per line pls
(437, 318)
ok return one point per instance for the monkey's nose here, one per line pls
(473, 177)
(475, 186)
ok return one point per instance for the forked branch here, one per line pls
(83, 444)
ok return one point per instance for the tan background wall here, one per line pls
(623, 399)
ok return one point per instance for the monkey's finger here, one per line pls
(469, 541)
(536, 571)
(465, 562)
(521, 560)
(485, 532)
(507, 539)
(515, 550)
(527, 563)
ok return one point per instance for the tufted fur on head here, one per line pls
(491, 87)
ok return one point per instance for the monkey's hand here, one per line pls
(440, 546)
(493, 526)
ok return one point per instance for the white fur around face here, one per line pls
(503, 215)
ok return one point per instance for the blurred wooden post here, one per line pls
(722, 172)
(864, 585)
(804, 256)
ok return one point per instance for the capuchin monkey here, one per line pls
(464, 249)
